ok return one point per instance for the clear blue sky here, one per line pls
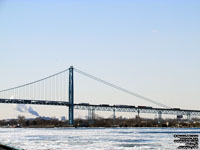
(150, 47)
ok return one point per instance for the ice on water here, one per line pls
(92, 138)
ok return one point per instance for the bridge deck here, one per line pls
(117, 108)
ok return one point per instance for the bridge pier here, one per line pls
(71, 96)
(91, 115)
(138, 114)
(159, 116)
(138, 117)
(188, 117)
(114, 117)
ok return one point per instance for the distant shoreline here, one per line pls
(94, 127)
(22, 122)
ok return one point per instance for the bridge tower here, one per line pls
(71, 96)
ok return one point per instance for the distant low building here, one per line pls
(63, 118)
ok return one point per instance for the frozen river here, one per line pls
(93, 138)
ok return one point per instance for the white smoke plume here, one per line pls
(24, 108)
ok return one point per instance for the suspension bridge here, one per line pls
(52, 91)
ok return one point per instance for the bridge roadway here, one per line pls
(105, 107)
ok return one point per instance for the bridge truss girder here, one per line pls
(103, 108)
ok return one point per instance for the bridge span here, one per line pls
(106, 107)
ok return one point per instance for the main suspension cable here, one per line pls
(120, 88)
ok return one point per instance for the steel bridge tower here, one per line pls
(71, 96)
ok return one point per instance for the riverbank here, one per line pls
(22, 122)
